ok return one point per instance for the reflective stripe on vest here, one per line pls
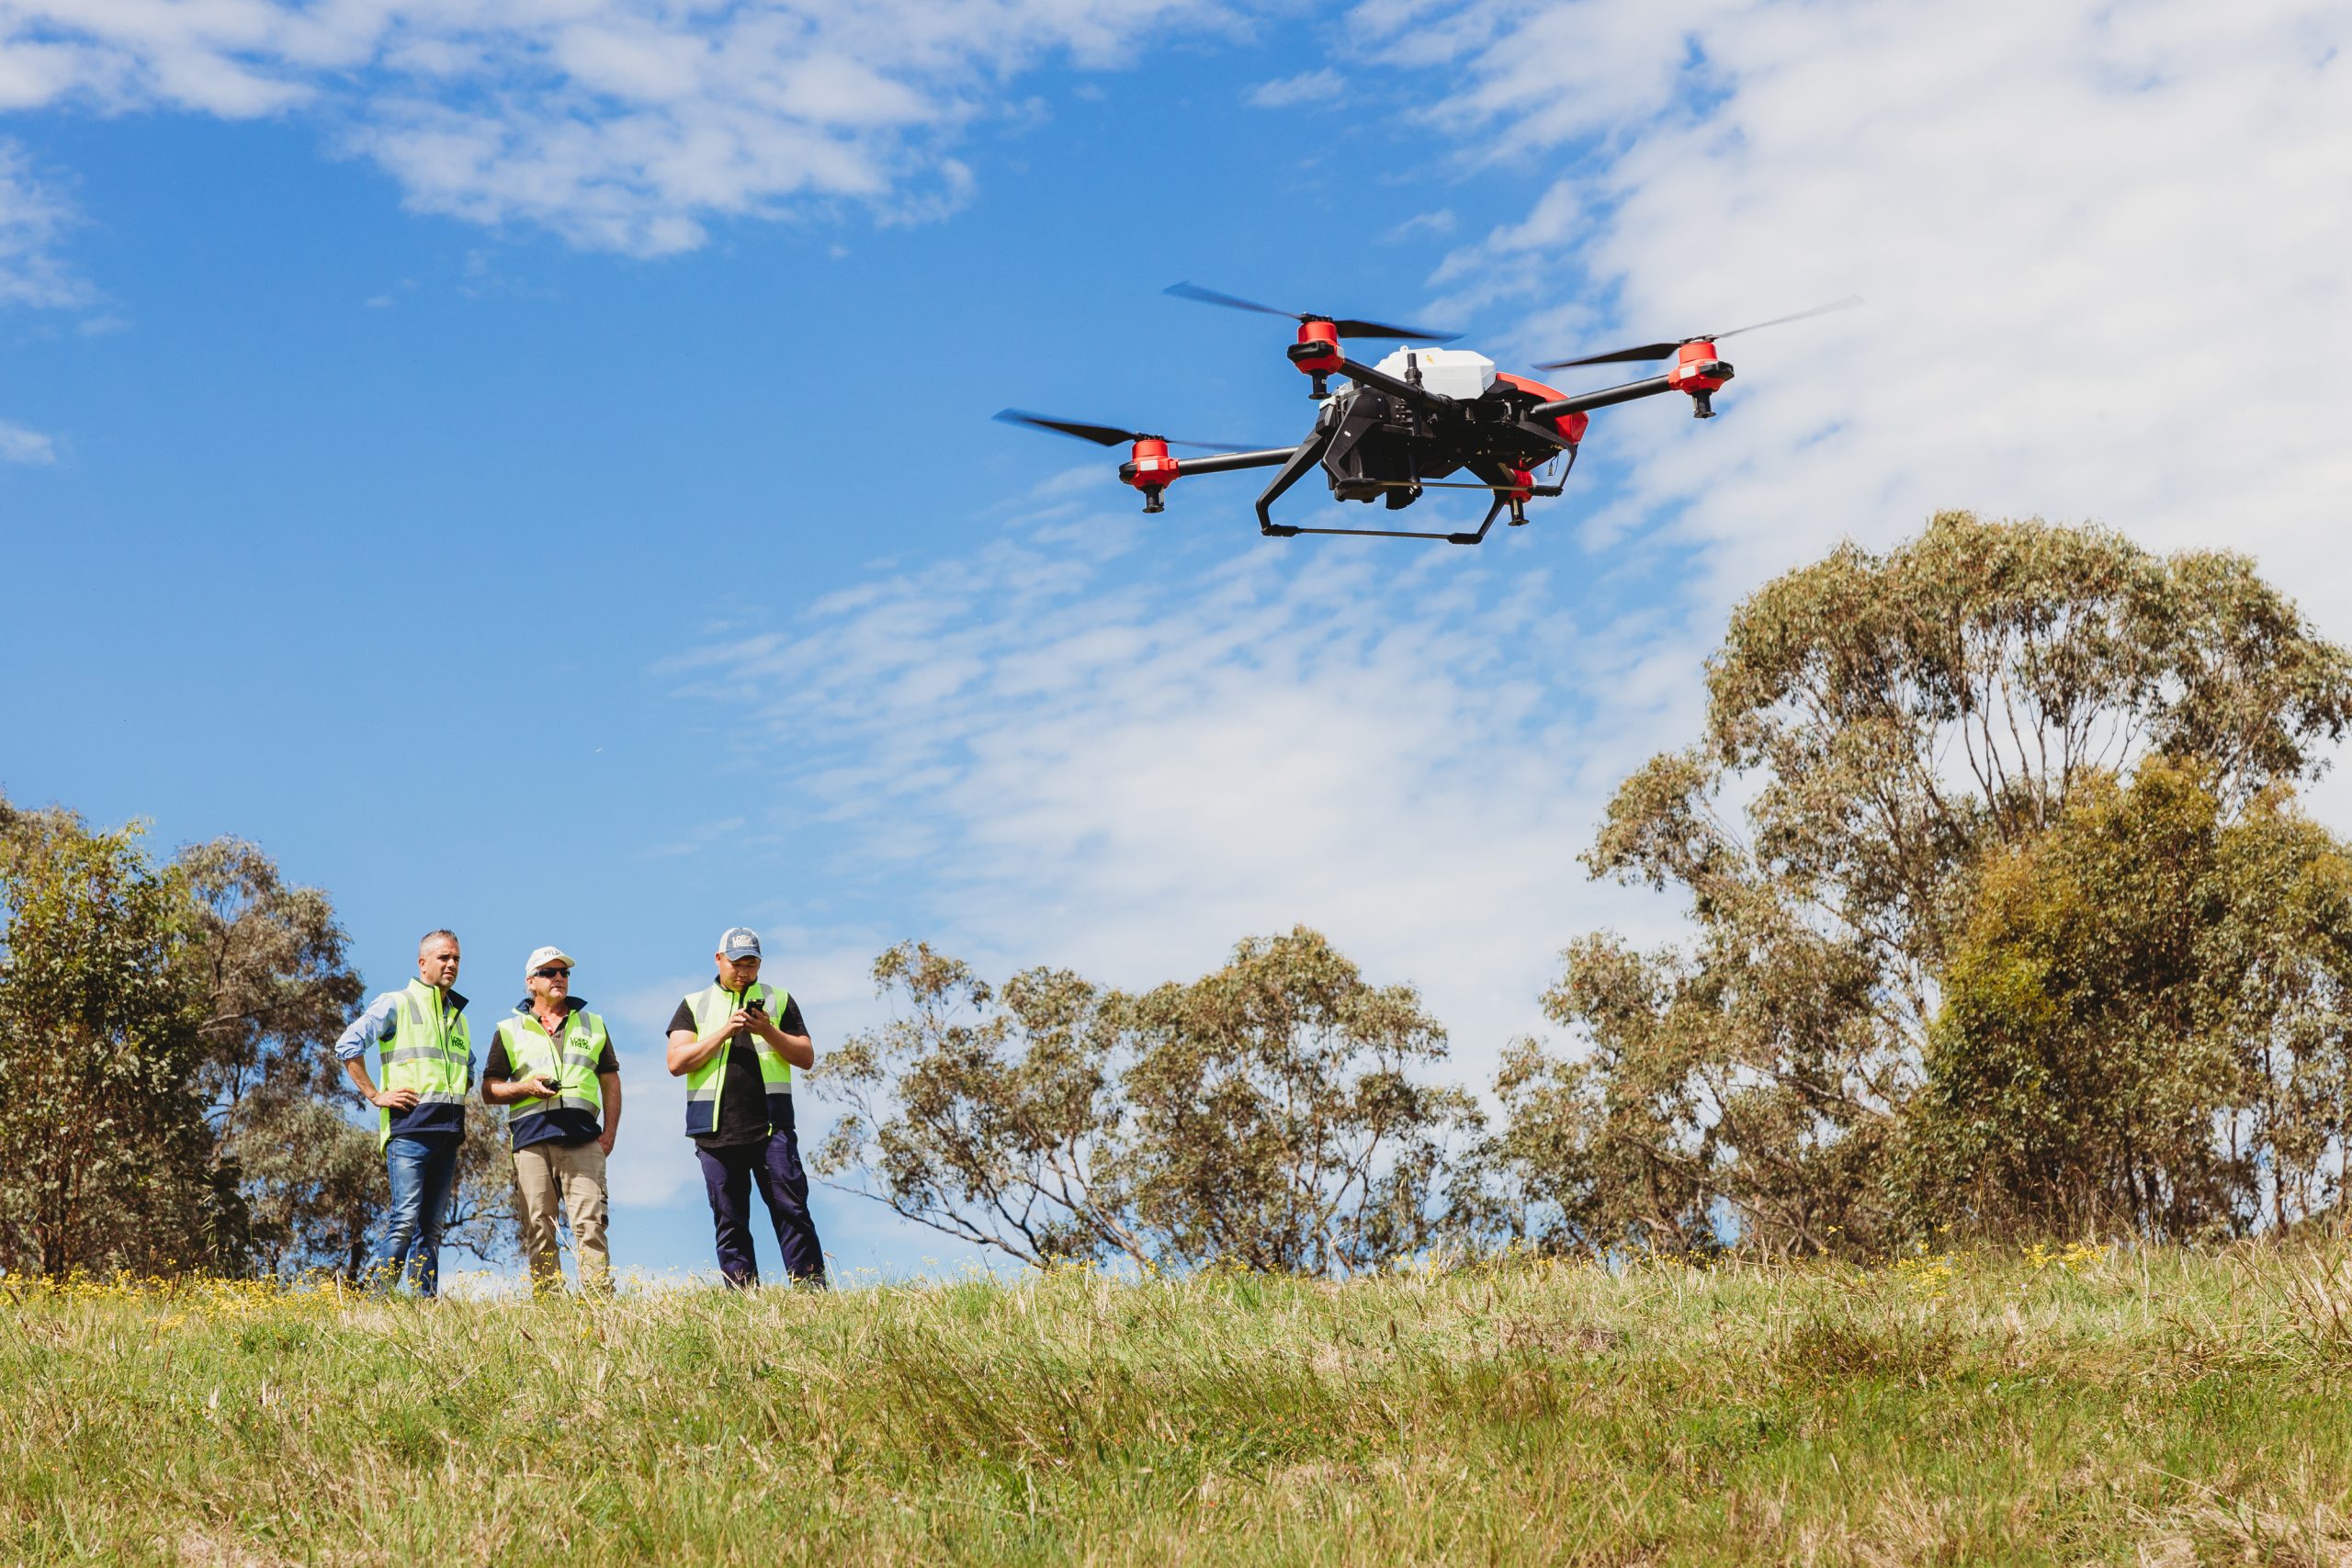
(530, 1051)
(710, 1007)
(431, 1051)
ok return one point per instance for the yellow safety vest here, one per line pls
(431, 1051)
(705, 1083)
(570, 1064)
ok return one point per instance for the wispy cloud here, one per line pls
(34, 217)
(2091, 259)
(1051, 761)
(1321, 86)
(2087, 235)
(620, 124)
(1437, 224)
(18, 445)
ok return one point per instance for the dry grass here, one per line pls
(2155, 1408)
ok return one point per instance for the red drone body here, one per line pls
(1419, 415)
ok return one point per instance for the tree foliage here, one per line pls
(169, 1097)
(275, 986)
(1263, 1114)
(271, 966)
(104, 1153)
(1879, 728)
(2148, 971)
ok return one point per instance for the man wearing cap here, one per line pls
(551, 1066)
(428, 1064)
(736, 1043)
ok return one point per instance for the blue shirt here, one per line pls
(373, 1027)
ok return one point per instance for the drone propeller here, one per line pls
(1346, 326)
(1661, 350)
(1104, 435)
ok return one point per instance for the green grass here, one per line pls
(2123, 1407)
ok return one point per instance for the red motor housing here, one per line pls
(1149, 468)
(1698, 372)
(1316, 352)
(1697, 369)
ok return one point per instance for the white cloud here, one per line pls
(1406, 746)
(34, 215)
(2102, 248)
(623, 124)
(18, 445)
(1437, 223)
(1320, 86)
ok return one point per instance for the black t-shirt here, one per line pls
(743, 1097)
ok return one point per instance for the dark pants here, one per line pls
(774, 1165)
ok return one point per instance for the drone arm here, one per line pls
(1308, 453)
(1226, 462)
(1583, 402)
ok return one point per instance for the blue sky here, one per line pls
(529, 466)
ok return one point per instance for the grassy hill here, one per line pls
(2108, 1406)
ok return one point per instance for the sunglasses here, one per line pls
(549, 973)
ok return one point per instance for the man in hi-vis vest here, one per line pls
(736, 1043)
(551, 1064)
(428, 1065)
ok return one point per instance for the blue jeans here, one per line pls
(423, 1167)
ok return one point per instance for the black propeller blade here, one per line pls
(1661, 350)
(1347, 326)
(1105, 434)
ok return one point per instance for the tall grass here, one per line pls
(2081, 1407)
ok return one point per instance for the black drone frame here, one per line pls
(1295, 462)
(1383, 435)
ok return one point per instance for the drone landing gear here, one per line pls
(1310, 453)
(1513, 488)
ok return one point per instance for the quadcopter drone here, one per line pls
(1421, 413)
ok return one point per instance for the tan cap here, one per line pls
(542, 957)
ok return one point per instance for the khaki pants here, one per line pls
(546, 1174)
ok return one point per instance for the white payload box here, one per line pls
(1450, 372)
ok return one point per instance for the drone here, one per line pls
(1422, 414)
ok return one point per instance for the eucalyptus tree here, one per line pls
(169, 1099)
(105, 1158)
(1878, 726)
(271, 970)
(2153, 968)
(1268, 1114)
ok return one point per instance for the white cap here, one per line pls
(542, 957)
